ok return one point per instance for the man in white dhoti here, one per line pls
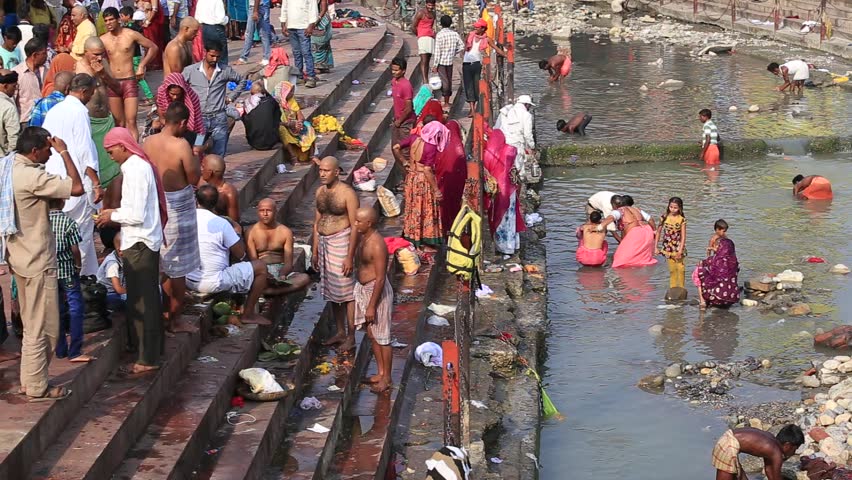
(69, 120)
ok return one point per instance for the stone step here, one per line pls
(27, 429)
(249, 170)
(173, 442)
(96, 440)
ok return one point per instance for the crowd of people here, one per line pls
(70, 145)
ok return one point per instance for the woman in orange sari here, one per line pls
(422, 209)
(62, 62)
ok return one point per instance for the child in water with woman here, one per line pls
(672, 233)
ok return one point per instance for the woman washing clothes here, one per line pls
(812, 187)
(297, 135)
(716, 276)
(422, 213)
(637, 244)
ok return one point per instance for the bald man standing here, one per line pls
(333, 251)
(178, 53)
(61, 87)
(213, 173)
(374, 295)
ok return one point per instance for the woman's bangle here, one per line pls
(63, 151)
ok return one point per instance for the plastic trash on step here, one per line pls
(442, 310)
(260, 380)
(310, 403)
(438, 321)
(429, 354)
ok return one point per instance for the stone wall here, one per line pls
(758, 18)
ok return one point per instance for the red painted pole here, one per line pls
(510, 67)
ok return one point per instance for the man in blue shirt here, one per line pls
(61, 86)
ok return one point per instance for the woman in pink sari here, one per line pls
(637, 243)
(451, 172)
(504, 209)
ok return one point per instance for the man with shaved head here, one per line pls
(178, 53)
(94, 63)
(333, 249)
(272, 242)
(213, 173)
(61, 87)
(374, 295)
(85, 30)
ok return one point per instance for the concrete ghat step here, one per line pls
(27, 429)
(290, 189)
(173, 443)
(96, 440)
(250, 169)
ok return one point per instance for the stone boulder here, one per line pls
(839, 338)
(841, 390)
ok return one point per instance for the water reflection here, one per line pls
(716, 333)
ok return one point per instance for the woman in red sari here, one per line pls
(154, 32)
(504, 208)
(451, 171)
(65, 35)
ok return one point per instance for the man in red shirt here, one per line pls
(403, 98)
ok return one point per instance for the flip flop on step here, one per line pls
(52, 394)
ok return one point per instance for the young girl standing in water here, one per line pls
(672, 232)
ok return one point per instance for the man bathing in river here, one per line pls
(120, 44)
(179, 171)
(592, 248)
(272, 242)
(334, 242)
(374, 295)
(795, 73)
(812, 187)
(557, 66)
(577, 124)
(755, 442)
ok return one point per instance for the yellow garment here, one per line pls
(85, 30)
(409, 260)
(306, 140)
(489, 32)
(460, 260)
(100, 25)
(677, 273)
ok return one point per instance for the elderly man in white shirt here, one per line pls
(69, 120)
(516, 123)
(141, 216)
(212, 17)
(298, 19)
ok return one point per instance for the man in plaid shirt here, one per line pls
(70, 294)
(448, 45)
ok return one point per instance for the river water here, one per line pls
(606, 78)
(599, 346)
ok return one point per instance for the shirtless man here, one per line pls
(755, 442)
(272, 242)
(93, 63)
(120, 44)
(554, 66)
(576, 124)
(334, 242)
(592, 249)
(179, 172)
(374, 295)
(213, 172)
(178, 53)
(812, 187)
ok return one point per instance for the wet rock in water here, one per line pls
(754, 109)
(831, 364)
(810, 381)
(838, 338)
(755, 423)
(732, 108)
(648, 19)
(652, 382)
(706, 371)
(841, 390)
(839, 269)
(758, 285)
(671, 84)
(643, 88)
(656, 330)
(829, 380)
(676, 294)
(673, 370)
(747, 302)
(706, 364)
(766, 363)
(789, 276)
(845, 367)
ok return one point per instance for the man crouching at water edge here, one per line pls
(752, 441)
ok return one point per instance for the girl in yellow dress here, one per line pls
(672, 232)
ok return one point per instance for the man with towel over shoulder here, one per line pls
(179, 171)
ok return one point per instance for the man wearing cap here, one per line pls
(516, 122)
(10, 123)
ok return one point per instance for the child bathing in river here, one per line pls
(592, 248)
(672, 233)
